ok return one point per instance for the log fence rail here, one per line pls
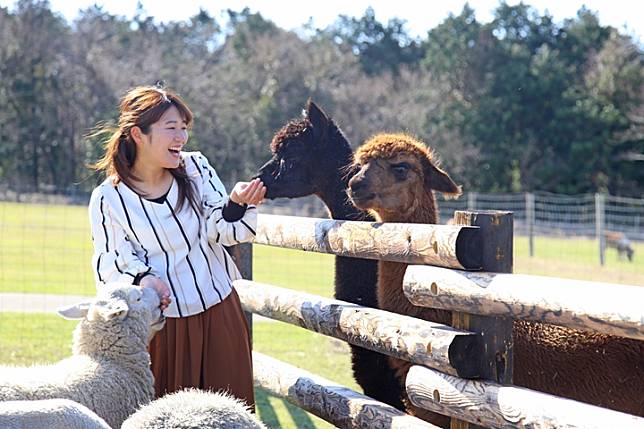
(465, 268)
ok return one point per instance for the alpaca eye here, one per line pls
(400, 171)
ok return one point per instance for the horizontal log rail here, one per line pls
(440, 245)
(438, 346)
(330, 401)
(498, 406)
(608, 308)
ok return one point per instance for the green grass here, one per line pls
(577, 258)
(45, 249)
(28, 338)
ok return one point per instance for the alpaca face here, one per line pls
(289, 173)
(388, 186)
(302, 156)
(396, 179)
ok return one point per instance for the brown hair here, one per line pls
(141, 107)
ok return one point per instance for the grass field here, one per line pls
(47, 249)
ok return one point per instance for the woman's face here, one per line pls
(165, 139)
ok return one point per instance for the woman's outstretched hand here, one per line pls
(160, 287)
(252, 192)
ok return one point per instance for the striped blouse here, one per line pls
(133, 235)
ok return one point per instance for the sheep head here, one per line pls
(121, 320)
(395, 179)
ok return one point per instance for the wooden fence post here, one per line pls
(496, 234)
(242, 254)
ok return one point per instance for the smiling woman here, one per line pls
(160, 219)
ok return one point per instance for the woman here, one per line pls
(160, 219)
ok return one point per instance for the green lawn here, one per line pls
(45, 248)
(577, 258)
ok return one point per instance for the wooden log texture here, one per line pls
(497, 406)
(332, 402)
(438, 346)
(441, 245)
(603, 307)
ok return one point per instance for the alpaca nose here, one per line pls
(357, 184)
(266, 170)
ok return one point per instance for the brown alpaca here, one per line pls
(395, 182)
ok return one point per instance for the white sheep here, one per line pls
(48, 414)
(192, 408)
(109, 370)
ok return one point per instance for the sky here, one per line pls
(421, 15)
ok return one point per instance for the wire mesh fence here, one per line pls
(557, 215)
(45, 243)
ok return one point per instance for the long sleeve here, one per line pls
(214, 198)
(114, 258)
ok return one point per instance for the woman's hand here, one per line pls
(252, 192)
(160, 287)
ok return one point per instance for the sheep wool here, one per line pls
(109, 370)
(48, 414)
(193, 408)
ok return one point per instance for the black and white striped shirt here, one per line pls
(133, 236)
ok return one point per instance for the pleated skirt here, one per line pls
(209, 350)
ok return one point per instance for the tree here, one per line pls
(380, 48)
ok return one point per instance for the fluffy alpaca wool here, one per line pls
(48, 414)
(109, 370)
(192, 408)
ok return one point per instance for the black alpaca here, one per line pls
(311, 156)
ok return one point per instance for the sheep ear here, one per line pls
(75, 311)
(108, 312)
(438, 180)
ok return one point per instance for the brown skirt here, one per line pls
(210, 350)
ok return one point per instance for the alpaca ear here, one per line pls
(316, 115)
(75, 311)
(438, 180)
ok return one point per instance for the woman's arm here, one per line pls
(114, 258)
(229, 222)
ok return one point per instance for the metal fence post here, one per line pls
(529, 217)
(600, 226)
(471, 200)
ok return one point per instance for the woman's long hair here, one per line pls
(141, 107)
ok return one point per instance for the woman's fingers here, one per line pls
(250, 193)
(258, 195)
(161, 289)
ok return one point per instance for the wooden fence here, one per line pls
(465, 268)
